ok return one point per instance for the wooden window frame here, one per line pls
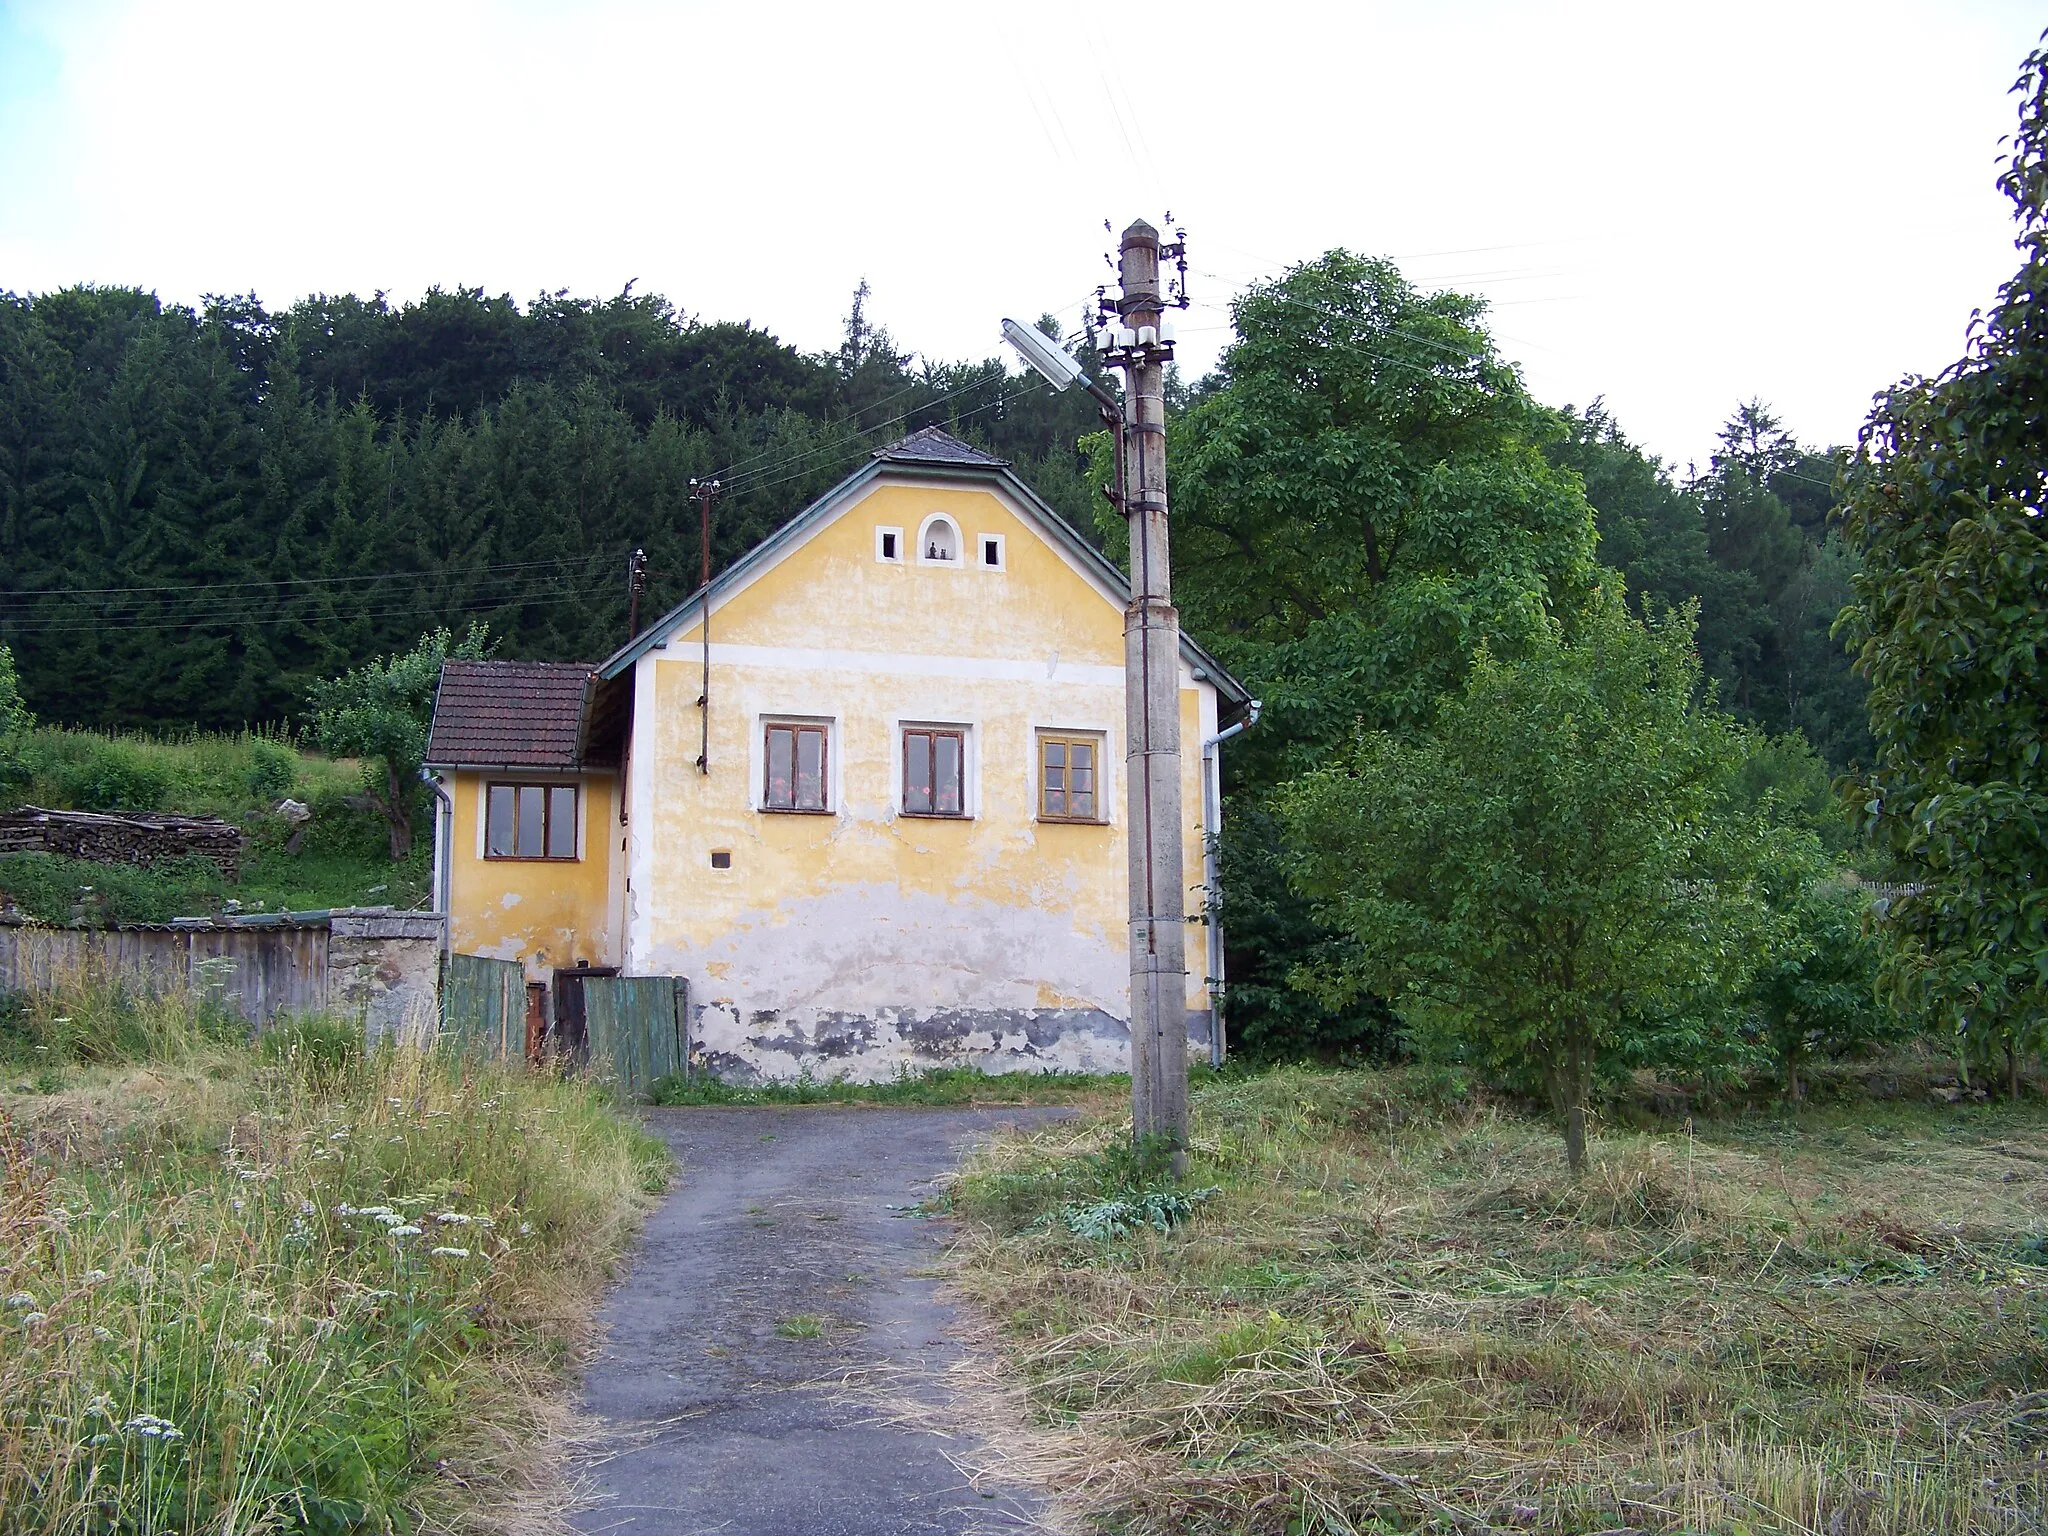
(959, 734)
(1093, 739)
(797, 728)
(547, 812)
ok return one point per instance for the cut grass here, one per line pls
(946, 1085)
(1398, 1314)
(297, 1287)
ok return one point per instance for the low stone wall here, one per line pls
(371, 961)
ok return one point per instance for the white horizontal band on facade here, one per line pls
(883, 663)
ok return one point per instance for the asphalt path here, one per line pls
(721, 1413)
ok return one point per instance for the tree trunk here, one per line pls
(1571, 1084)
(396, 814)
(1792, 1077)
(2012, 1069)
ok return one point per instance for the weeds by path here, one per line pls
(1396, 1314)
(298, 1287)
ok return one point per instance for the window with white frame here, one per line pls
(935, 770)
(1070, 776)
(796, 766)
(989, 551)
(889, 545)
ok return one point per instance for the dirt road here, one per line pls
(784, 1258)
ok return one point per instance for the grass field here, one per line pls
(302, 1287)
(1377, 1306)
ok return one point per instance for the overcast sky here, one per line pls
(1678, 206)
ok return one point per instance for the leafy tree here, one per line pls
(1550, 863)
(1945, 505)
(381, 712)
(1361, 502)
(1816, 995)
(14, 715)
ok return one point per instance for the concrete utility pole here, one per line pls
(1159, 981)
(1142, 345)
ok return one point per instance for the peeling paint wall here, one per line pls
(543, 913)
(866, 941)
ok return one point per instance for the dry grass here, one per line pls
(1399, 1315)
(301, 1287)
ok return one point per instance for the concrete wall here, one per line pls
(380, 964)
(865, 941)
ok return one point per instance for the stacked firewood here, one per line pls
(140, 837)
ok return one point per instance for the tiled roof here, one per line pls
(508, 714)
(931, 445)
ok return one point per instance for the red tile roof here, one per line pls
(508, 714)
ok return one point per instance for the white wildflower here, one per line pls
(451, 1253)
(104, 1335)
(31, 1319)
(452, 1219)
(408, 1230)
(259, 1359)
(101, 1407)
(149, 1425)
(390, 1218)
(526, 1229)
(95, 1276)
(306, 1207)
(236, 1204)
(19, 1300)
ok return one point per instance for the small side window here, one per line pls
(889, 545)
(991, 551)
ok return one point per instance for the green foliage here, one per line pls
(52, 889)
(381, 711)
(1816, 996)
(1945, 506)
(203, 512)
(1551, 863)
(1750, 542)
(14, 714)
(303, 1327)
(1361, 503)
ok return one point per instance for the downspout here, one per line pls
(1212, 875)
(444, 854)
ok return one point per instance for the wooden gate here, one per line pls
(483, 1005)
(637, 1028)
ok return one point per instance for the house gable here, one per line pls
(901, 487)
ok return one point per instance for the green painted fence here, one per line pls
(637, 1028)
(483, 1005)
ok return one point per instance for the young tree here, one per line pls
(1551, 862)
(381, 711)
(1816, 995)
(1946, 506)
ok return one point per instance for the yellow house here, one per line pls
(875, 815)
